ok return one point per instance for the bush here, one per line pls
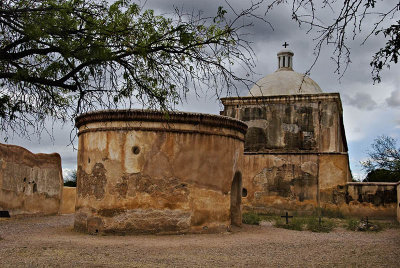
(251, 218)
(352, 224)
(294, 224)
(325, 227)
(310, 224)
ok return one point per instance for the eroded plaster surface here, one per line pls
(144, 174)
(29, 183)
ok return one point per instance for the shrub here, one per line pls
(251, 218)
(352, 224)
(309, 223)
(325, 227)
(294, 224)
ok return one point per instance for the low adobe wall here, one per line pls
(303, 182)
(143, 172)
(372, 199)
(364, 199)
(68, 200)
(292, 181)
(29, 183)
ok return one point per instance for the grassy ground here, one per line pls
(313, 224)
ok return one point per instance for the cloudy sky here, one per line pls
(369, 110)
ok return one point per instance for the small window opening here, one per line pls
(24, 179)
(34, 187)
(88, 160)
(244, 192)
(136, 149)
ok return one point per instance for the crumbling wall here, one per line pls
(145, 174)
(290, 123)
(29, 183)
(295, 150)
(279, 182)
(275, 183)
(371, 199)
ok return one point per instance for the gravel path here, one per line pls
(51, 242)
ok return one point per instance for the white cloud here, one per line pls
(67, 172)
(361, 100)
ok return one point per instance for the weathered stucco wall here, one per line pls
(29, 183)
(68, 200)
(290, 182)
(310, 122)
(295, 150)
(141, 173)
(275, 183)
(371, 199)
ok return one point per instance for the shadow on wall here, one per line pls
(236, 199)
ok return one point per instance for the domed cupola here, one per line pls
(284, 81)
(285, 60)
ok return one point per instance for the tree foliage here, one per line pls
(384, 160)
(381, 175)
(59, 58)
(71, 179)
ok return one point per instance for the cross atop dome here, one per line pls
(285, 44)
(285, 58)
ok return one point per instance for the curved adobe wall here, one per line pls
(139, 172)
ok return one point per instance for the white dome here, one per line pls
(284, 82)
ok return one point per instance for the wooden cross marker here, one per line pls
(287, 217)
(285, 44)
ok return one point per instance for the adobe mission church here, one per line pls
(295, 151)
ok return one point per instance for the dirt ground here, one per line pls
(51, 242)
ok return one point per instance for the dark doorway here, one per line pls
(236, 199)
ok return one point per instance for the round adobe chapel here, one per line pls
(142, 171)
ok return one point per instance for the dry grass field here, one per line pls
(51, 242)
